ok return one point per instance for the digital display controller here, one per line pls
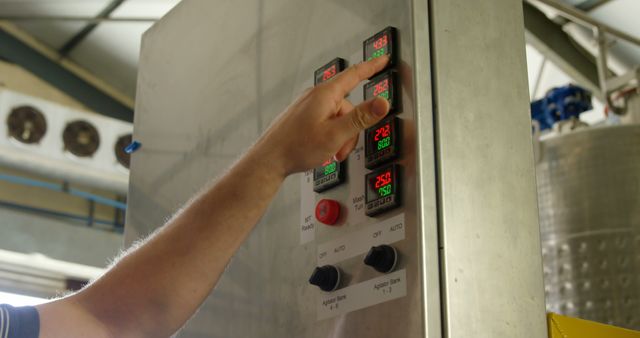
(380, 44)
(327, 176)
(331, 173)
(382, 142)
(383, 190)
(384, 85)
(329, 70)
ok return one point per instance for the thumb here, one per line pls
(363, 116)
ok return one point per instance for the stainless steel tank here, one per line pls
(589, 197)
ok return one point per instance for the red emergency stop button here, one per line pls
(328, 211)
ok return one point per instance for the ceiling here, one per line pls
(111, 49)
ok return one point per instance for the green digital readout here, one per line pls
(380, 52)
(377, 47)
(330, 168)
(384, 143)
(385, 191)
(382, 183)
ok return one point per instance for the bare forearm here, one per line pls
(170, 275)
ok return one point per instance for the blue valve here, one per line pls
(135, 145)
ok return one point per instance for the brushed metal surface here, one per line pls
(492, 264)
(632, 114)
(212, 76)
(589, 195)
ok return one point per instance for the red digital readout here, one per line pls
(329, 73)
(381, 42)
(382, 132)
(381, 87)
(383, 179)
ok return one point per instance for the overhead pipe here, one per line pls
(39, 165)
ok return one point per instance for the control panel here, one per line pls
(354, 213)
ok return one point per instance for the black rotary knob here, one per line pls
(383, 258)
(327, 277)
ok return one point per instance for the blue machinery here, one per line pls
(560, 104)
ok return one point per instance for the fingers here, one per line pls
(345, 108)
(346, 149)
(361, 117)
(349, 79)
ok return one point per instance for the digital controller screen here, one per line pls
(327, 176)
(381, 142)
(383, 85)
(380, 137)
(382, 191)
(380, 44)
(328, 167)
(380, 185)
(329, 70)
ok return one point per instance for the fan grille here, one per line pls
(27, 124)
(81, 138)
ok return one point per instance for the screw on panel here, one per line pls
(585, 266)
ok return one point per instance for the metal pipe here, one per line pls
(77, 38)
(75, 19)
(17, 159)
(603, 68)
(582, 18)
(60, 188)
(536, 87)
(84, 219)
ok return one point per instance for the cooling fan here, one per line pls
(27, 124)
(81, 138)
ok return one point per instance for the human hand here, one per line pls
(321, 123)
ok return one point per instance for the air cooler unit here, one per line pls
(53, 140)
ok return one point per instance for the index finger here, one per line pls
(349, 79)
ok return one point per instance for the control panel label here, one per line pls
(362, 295)
(307, 202)
(359, 242)
(356, 186)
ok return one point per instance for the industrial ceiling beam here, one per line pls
(23, 18)
(80, 36)
(550, 40)
(18, 52)
(590, 5)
